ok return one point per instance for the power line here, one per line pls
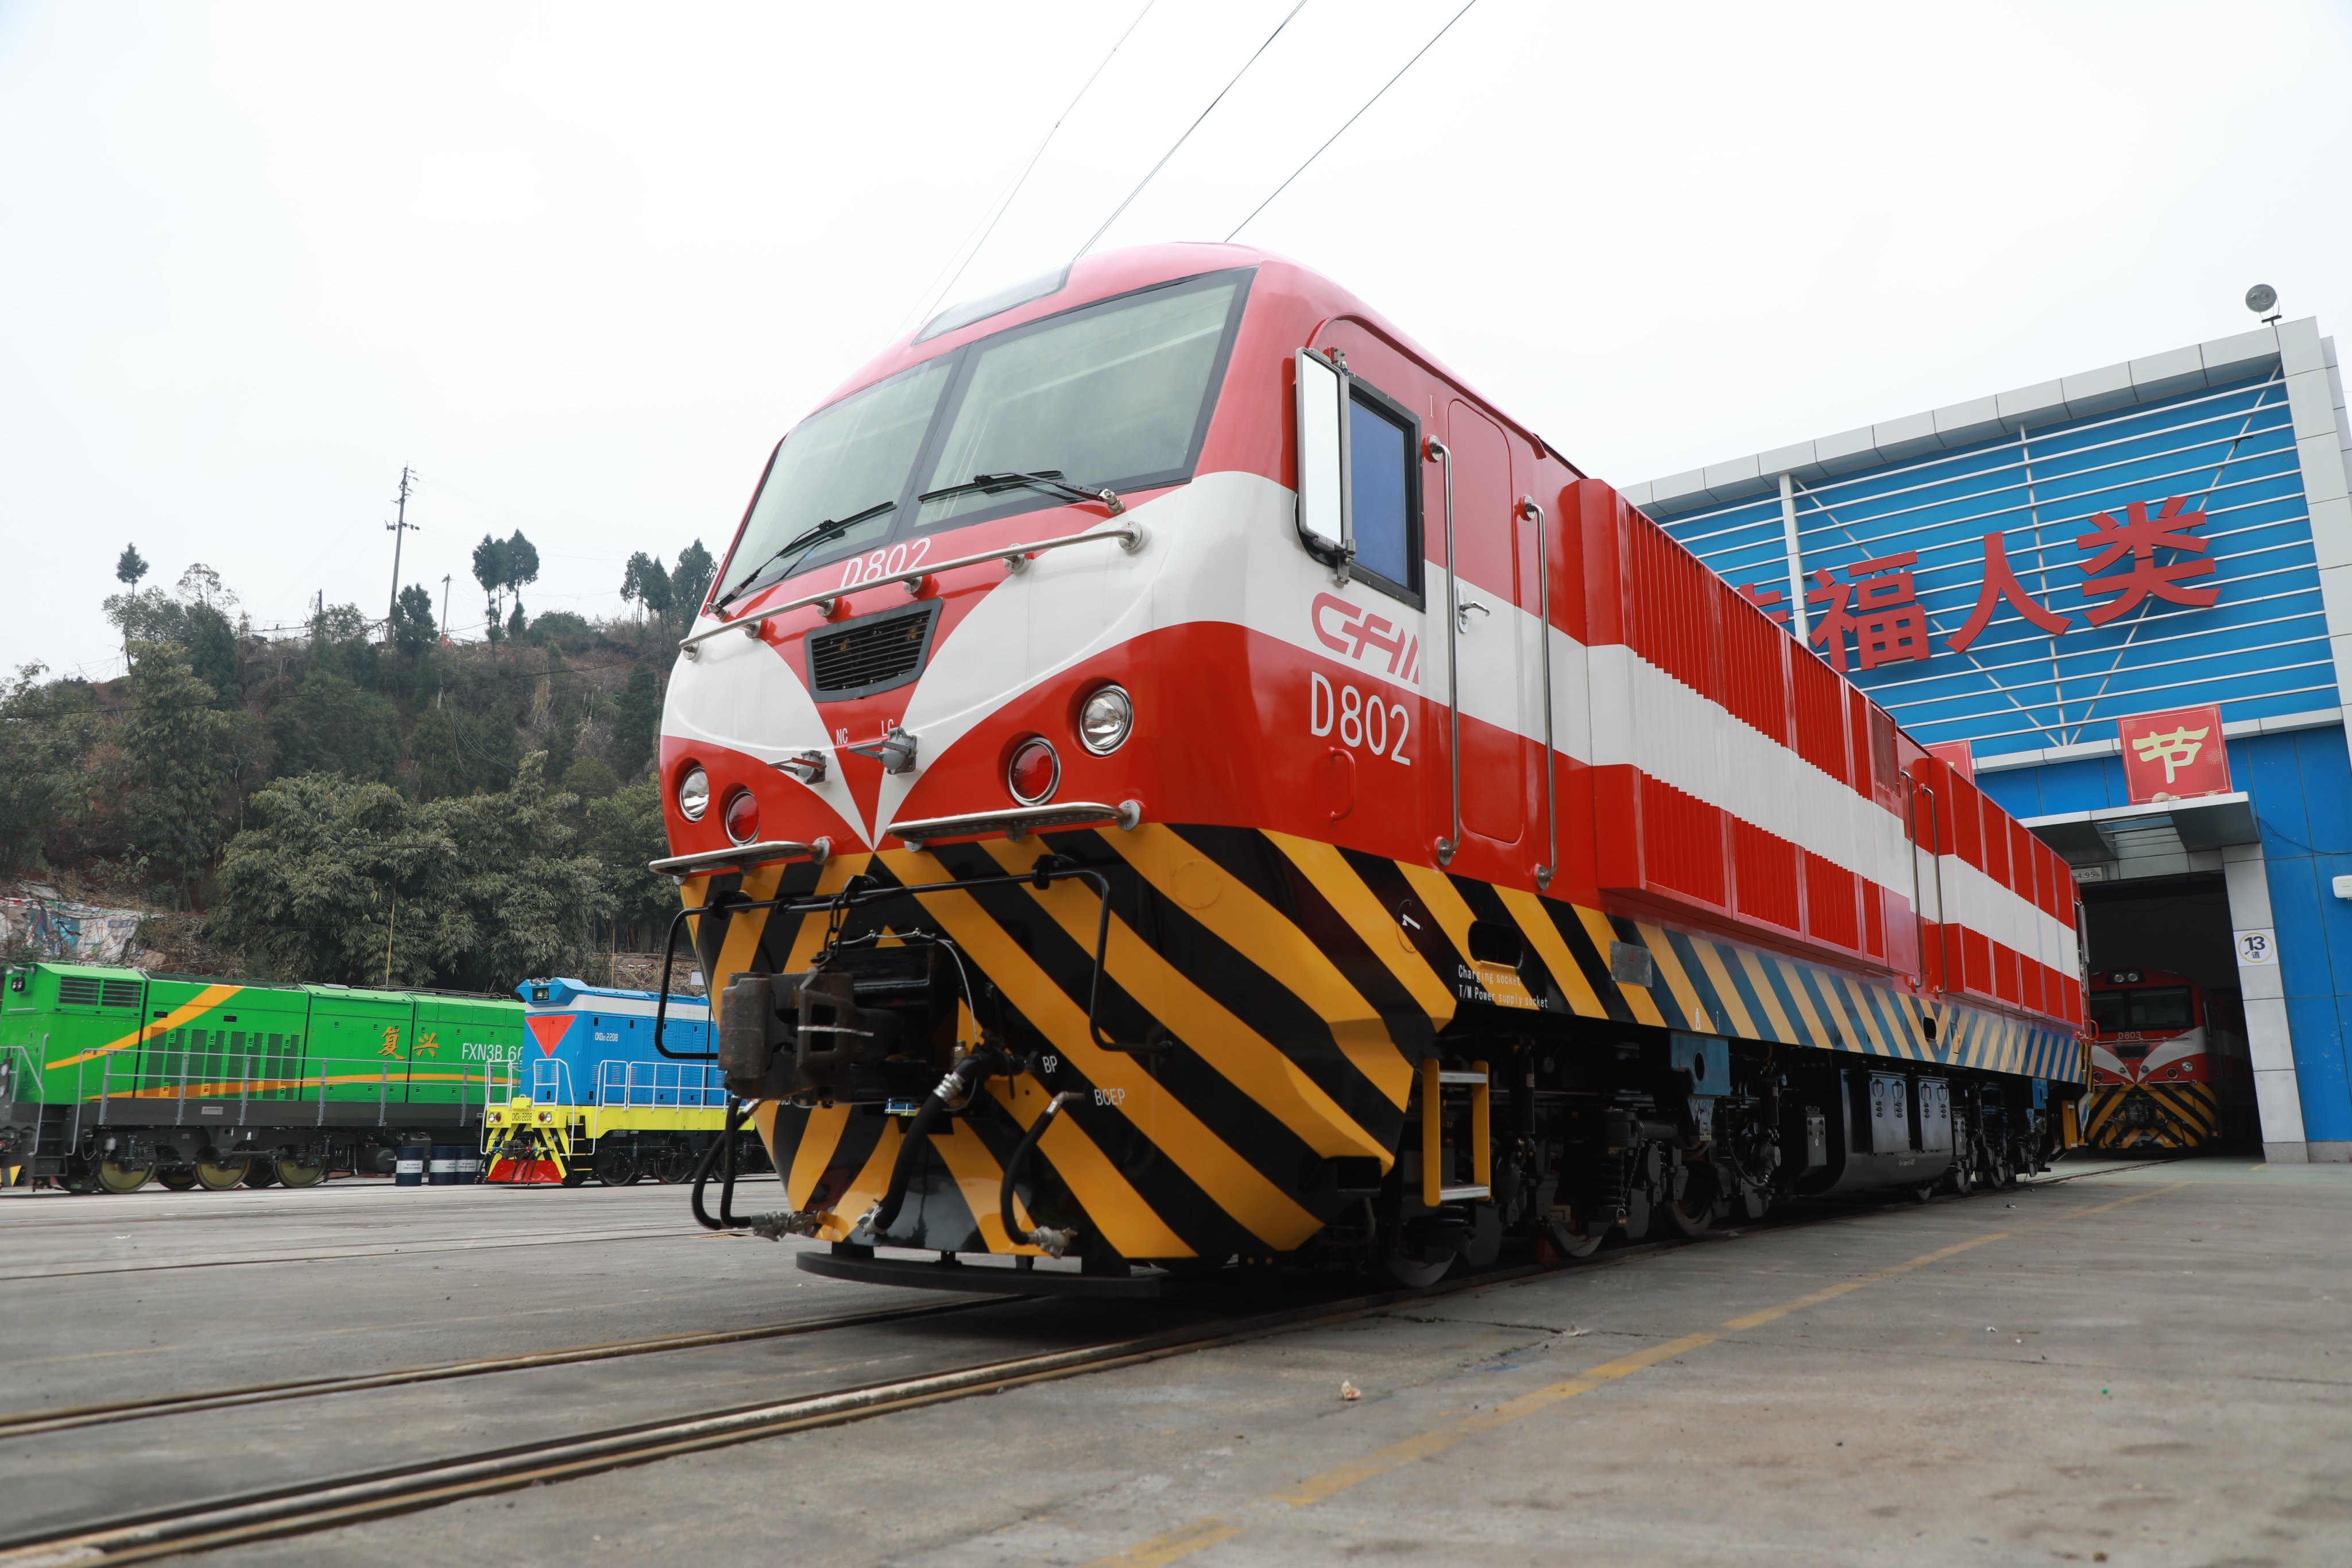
(1351, 120)
(1189, 130)
(931, 297)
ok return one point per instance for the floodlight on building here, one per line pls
(2260, 298)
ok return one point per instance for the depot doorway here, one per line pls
(2179, 925)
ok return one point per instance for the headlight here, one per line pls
(742, 817)
(1034, 771)
(1105, 720)
(694, 794)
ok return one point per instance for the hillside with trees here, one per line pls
(367, 799)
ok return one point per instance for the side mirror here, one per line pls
(1325, 527)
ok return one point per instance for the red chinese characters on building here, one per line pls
(2138, 539)
(1879, 609)
(2174, 755)
(1879, 606)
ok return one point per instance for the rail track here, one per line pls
(311, 1505)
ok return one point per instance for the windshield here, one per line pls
(1115, 394)
(843, 460)
(1103, 397)
(2144, 1012)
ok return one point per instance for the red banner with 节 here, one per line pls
(2177, 755)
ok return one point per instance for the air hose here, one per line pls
(774, 1226)
(1047, 1239)
(954, 1090)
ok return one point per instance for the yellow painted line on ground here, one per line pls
(1201, 1534)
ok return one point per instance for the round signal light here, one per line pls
(742, 817)
(693, 794)
(1105, 720)
(1034, 772)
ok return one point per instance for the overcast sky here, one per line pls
(580, 267)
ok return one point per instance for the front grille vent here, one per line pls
(120, 994)
(871, 654)
(78, 990)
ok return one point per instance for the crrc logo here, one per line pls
(1349, 630)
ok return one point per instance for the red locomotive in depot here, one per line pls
(1169, 775)
(2165, 1073)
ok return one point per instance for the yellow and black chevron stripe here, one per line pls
(1298, 984)
(2151, 1116)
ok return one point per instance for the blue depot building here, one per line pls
(2020, 576)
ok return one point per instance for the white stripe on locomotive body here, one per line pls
(1223, 549)
(2179, 1047)
(694, 1009)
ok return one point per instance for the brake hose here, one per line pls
(953, 1090)
(1044, 1237)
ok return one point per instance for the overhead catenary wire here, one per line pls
(970, 250)
(1204, 114)
(1351, 121)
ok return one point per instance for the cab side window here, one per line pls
(1384, 478)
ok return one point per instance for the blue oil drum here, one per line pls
(408, 1165)
(441, 1167)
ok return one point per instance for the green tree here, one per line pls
(211, 645)
(625, 832)
(590, 780)
(647, 583)
(523, 893)
(433, 747)
(330, 725)
(637, 721)
(502, 567)
(178, 744)
(340, 645)
(690, 580)
(46, 732)
(413, 631)
(130, 567)
(334, 873)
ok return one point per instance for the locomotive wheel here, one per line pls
(217, 1177)
(1572, 1239)
(1413, 1273)
(114, 1175)
(618, 1168)
(293, 1173)
(1692, 1212)
(672, 1164)
(179, 1179)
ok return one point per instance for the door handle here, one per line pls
(1461, 612)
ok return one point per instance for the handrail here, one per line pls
(1550, 868)
(1437, 452)
(1131, 537)
(1019, 821)
(744, 855)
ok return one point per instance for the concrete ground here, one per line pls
(2148, 1363)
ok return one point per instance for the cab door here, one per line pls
(1488, 629)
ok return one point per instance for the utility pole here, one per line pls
(397, 529)
(445, 608)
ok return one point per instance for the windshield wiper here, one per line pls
(1047, 479)
(810, 539)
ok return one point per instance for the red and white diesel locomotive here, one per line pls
(2164, 1070)
(1169, 775)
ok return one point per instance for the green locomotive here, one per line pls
(110, 1078)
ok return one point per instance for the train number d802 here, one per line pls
(1369, 722)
